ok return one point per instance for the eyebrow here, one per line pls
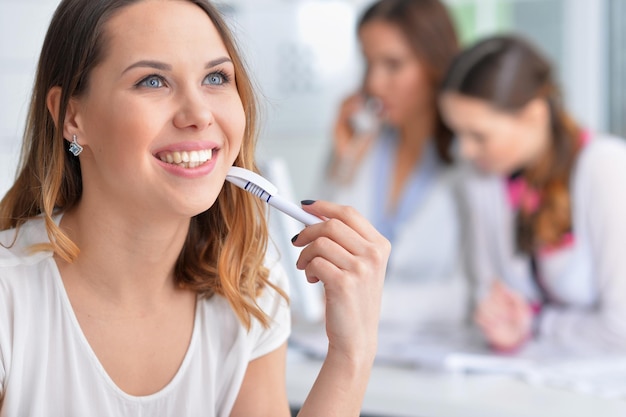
(167, 67)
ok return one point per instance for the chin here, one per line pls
(194, 206)
(487, 169)
(392, 120)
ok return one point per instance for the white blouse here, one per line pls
(425, 282)
(585, 280)
(47, 367)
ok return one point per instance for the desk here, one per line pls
(409, 392)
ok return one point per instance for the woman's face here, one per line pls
(394, 73)
(161, 120)
(495, 141)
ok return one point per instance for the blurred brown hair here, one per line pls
(509, 72)
(430, 31)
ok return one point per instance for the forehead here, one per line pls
(155, 26)
(463, 111)
(379, 36)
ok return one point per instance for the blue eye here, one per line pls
(152, 81)
(216, 78)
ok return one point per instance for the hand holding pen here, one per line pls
(348, 255)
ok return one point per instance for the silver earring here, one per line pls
(75, 148)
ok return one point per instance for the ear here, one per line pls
(71, 124)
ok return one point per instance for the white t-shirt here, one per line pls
(47, 367)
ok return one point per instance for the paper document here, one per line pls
(462, 349)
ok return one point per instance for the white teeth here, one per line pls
(186, 159)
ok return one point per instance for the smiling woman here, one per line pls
(133, 280)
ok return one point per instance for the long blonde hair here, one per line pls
(225, 246)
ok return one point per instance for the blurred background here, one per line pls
(304, 58)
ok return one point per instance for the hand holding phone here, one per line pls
(366, 120)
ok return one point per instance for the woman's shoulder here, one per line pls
(602, 148)
(16, 244)
(604, 155)
(24, 274)
(258, 339)
(269, 298)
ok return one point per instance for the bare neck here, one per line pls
(415, 134)
(128, 260)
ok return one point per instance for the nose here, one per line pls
(194, 110)
(375, 81)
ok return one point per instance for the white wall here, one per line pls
(305, 58)
(22, 29)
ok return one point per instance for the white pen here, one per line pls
(266, 191)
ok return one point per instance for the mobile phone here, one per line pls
(366, 120)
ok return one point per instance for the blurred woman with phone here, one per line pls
(390, 155)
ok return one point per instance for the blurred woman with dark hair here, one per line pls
(547, 215)
(390, 156)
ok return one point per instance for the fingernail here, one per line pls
(307, 202)
(293, 239)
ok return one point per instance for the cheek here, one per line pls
(504, 154)
(120, 134)
(413, 90)
(117, 131)
(233, 121)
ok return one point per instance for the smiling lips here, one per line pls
(186, 159)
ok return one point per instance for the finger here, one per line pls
(493, 311)
(516, 299)
(516, 302)
(500, 288)
(491, 329)
(487, 316)
(486, 326)
(352, 104)
(346, 214)
(502, 297)
(507, 293)
(338, 232)
(343, 128)
(493, 303)
(327, 249)
(481, 320)
(499, 338)
(488, 321)
(523, 313)
(320, 269)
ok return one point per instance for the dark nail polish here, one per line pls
(307, 202)
(293, 239)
